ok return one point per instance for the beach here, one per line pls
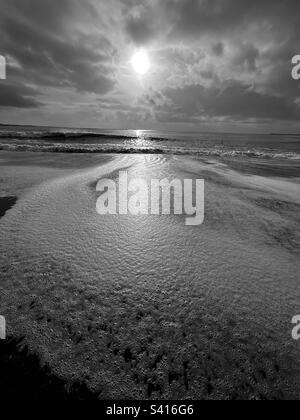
(144, 307)
(149, 203)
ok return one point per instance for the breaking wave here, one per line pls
(58, 135)
(155, 149)
(57, 140)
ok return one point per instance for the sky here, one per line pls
(216, 65)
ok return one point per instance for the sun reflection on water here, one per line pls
(140, 141)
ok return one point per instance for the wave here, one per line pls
(72, 135)
(60, 135)
(155, 149)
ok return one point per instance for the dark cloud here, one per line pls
(12, 96)
(218, 49)
(233, 100)
(242, 101)
(41, 37)
(140, 30)
(246, 57)
(195, 17)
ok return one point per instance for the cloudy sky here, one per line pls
(215, 64)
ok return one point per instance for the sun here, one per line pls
(140, 62)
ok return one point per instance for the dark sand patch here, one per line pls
(284, 231)
(6, 203)
(279, 206)
(23, 378)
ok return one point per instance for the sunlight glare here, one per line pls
(140, 62)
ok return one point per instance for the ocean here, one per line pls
(45, 139)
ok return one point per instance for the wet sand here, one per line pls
(23, 377)
(145, 307)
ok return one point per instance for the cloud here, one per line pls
(251, 42)
(232, 100)
(12, 96)
(210, 59)
(246, 57)
(218, 49)
(191, 18)
(51, 50)
(139, 30)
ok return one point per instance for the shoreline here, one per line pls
(220, 152)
